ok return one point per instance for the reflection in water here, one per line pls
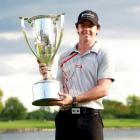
(122, 134)
(28, 136)
(116, 134)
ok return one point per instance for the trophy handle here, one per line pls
(25, 34)
(61, 35)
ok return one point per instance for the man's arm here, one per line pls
(97, 92)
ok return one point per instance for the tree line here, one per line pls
(13, 109)
(115, 109)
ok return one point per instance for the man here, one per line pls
(86, 73)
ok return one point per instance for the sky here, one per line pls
(120, 34)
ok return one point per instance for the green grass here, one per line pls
(122, 123)
(5, 125)
(34, 124)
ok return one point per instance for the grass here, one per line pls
(25, 124)
(6, 126)
(122, 123)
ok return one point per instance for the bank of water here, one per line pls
(109, 134)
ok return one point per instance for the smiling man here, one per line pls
(86, 73)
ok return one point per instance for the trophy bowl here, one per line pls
(47, 33)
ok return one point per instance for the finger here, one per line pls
(38, 61)
(43, 69)
(44, 78)
(62, 95)
(42, 65)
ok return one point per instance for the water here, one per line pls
(116, 134)
(122, 134)
(28, 136)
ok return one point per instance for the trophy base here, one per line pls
(45, 93)
(45, 102)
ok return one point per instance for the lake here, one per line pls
(109, 134)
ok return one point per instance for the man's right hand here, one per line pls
(43, 69)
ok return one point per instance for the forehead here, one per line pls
(87, 22)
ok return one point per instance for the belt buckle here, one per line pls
(75, 110)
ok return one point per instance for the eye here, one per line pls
(91, 25)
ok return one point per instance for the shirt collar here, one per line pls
(96, 47)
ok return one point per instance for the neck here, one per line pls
(83, 47)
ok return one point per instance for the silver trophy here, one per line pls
(47, 35)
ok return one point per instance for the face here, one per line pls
(87, 31)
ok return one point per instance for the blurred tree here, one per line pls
(1, 104)
(13, 110)
(114, 109)
(133, 102)
(41, 114)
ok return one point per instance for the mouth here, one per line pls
(87, 33)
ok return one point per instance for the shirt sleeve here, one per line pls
(105, 65)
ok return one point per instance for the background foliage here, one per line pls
(15, 110)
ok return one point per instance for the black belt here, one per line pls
(79, 110)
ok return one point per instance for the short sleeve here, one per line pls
(105, 65)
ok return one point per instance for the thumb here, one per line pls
(62, 95)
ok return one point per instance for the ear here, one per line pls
(98, 27)
(76, 25)
(77, 30)
(98, 30)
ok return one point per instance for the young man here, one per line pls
(86, 73)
